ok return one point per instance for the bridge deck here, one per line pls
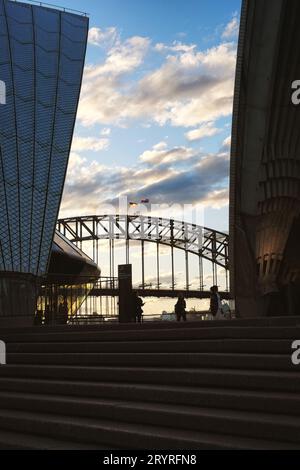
(195, 294)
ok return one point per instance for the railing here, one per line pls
(107, 283)
(50, 5)
(64, 299)
(96, 319)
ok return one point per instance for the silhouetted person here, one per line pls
(47, 315)
(60, 312)
(38, 319)
(180, 307)
(63, 312)
(138, 308)
(215, 304)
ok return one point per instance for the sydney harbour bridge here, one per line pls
(205, 250)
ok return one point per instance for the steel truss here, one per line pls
(204, 242)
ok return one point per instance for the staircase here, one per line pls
(204, 385)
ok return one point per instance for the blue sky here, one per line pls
(155, 111)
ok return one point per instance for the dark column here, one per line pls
(125, 293)
(18, 296)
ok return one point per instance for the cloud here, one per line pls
(232, 28)
(225, 148)
(121, 59)
(89, 143)
(160, 146)
(165, 279)
(159, 154)
(127, 56)
(167, 177)
(198, 184)
(101, 98)
(217, 198)
(106, 131)
(104, 38)
(181, 34)
(205, 130)
(176, 46)
(190, 88)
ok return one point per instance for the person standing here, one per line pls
(38, 319)
(180, 307)
(47, 315)
(138, 308)
(215, 304)
(63, 312)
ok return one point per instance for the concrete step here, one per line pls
(257, 322)
(155, 334)
(127, 435)
(208, 360)
(235, 399)
(213, 386)
(270, 346)
(240, 423)
(20, 441)
(192, 377)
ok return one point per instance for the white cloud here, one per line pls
(159, 154)
(206, 130)
(232, 28)
(89, 143)
(106, 131)
(105, 38)
(217, 198)
(225, 148)
(101, 98)
(123, 57)
(191, 87)
(177, 175)
(176, 46)
(181, 34)
(160, 146)
(227, 142)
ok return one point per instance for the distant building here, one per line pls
(42, 53)
(265, 162)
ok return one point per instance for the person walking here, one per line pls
(47, 315)
(215, 304)
(138, 308)
(180, 307)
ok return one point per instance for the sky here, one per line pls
(154, 118)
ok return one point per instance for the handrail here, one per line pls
(49, 5)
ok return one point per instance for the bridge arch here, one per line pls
(205, 243)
